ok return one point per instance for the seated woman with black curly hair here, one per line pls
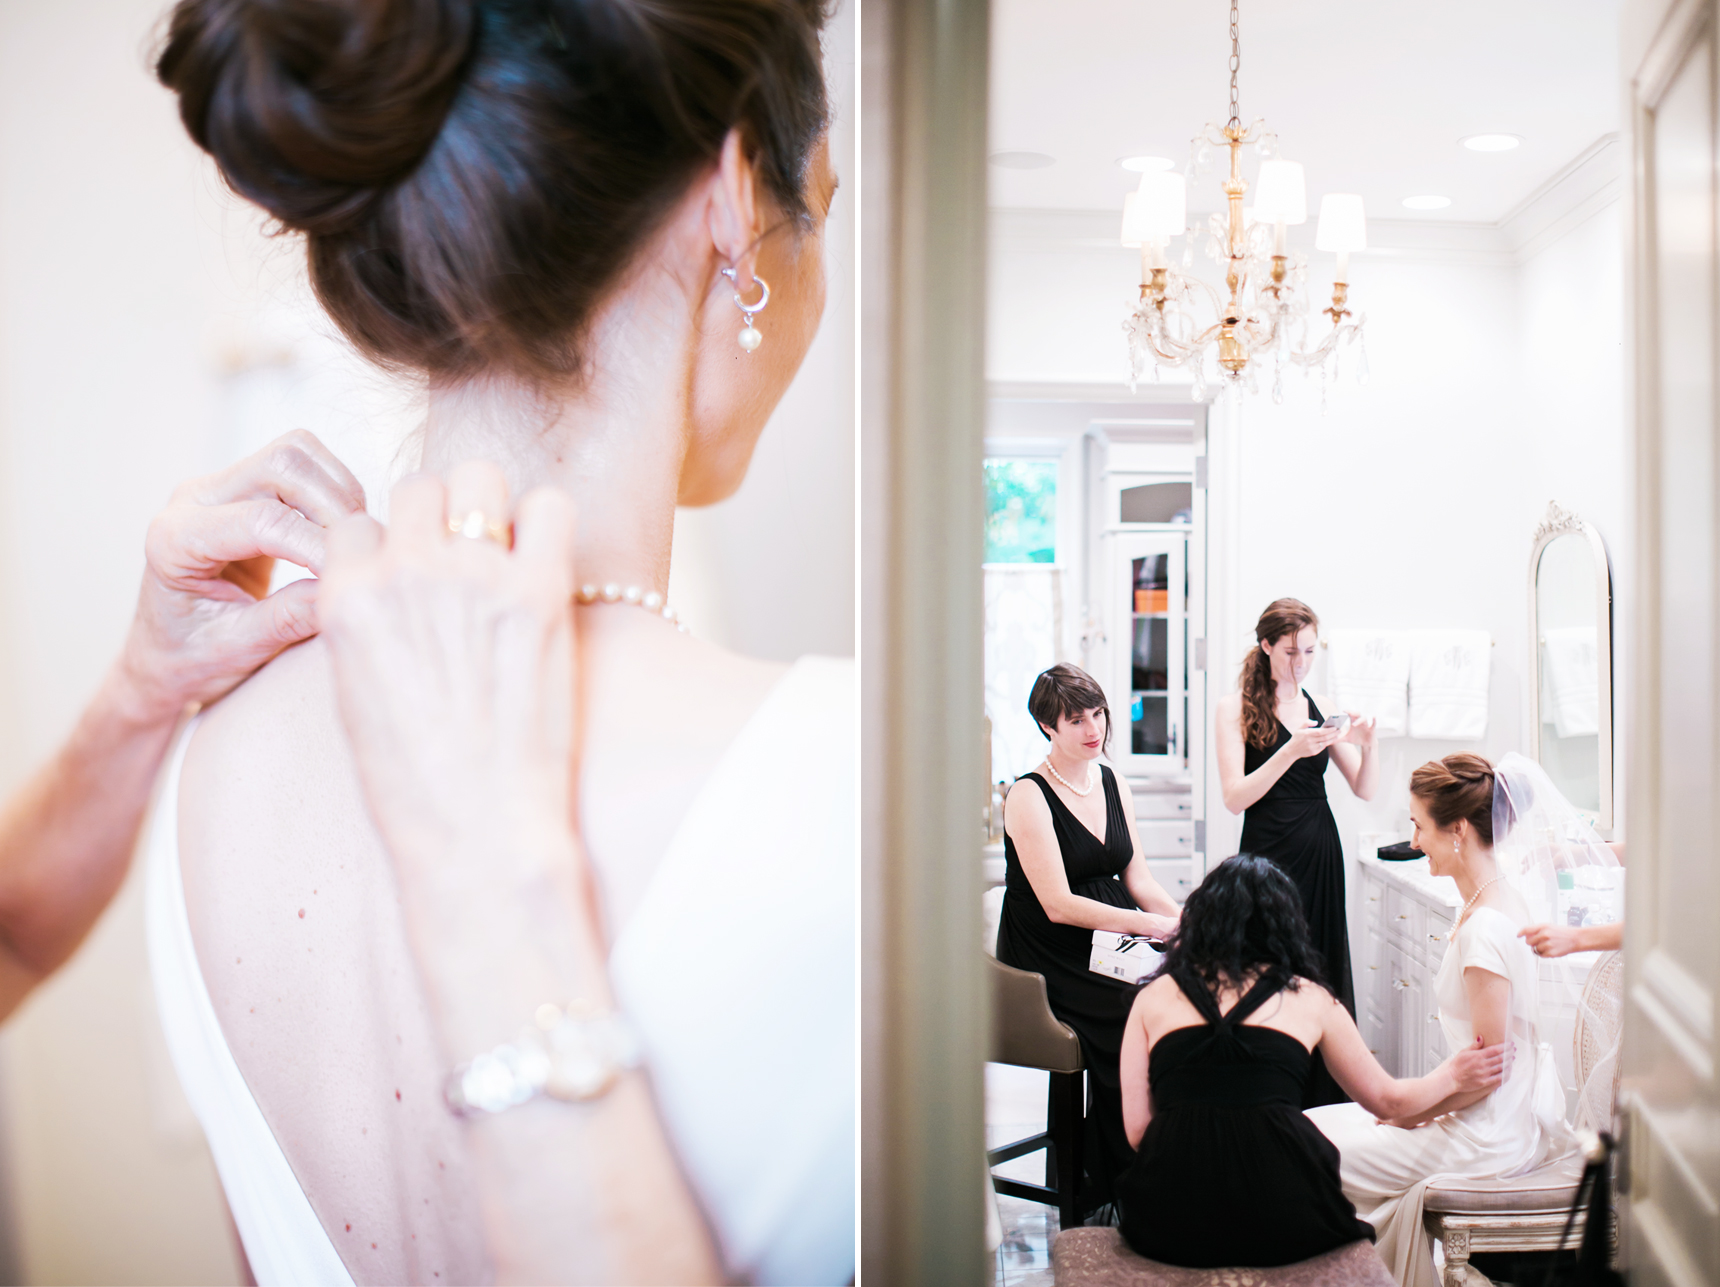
(1217, 1048)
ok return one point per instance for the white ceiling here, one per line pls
(1370, 95)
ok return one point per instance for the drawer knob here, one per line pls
(1403, 916)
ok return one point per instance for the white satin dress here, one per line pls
(1519, 1127)
(751, 1054)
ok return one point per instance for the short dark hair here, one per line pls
(1066, 690)
(472, 176)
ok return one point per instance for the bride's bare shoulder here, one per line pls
(269, 765)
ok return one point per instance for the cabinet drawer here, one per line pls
(1163, 804)
(1165, 838)
(1177, 878)
(1402, 918)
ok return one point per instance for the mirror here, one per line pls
(1570, 632)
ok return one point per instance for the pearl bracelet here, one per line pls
(571, 1054)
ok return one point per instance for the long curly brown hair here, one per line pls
(1259, 696)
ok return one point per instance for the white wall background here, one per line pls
(149, 333)
(1496, 385)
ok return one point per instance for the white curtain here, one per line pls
(1023, 636)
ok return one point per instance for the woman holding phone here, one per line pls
(1273, 745)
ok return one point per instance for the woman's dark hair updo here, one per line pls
(471, 176)
(1245, 917)
(1460, 786)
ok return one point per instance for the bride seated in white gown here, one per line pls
(563, 216)
(1500, 835)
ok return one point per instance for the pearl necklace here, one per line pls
(1471, 903)
(1066, 782)
(633, 596)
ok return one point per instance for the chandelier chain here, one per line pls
(1235, 65)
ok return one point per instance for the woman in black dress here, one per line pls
(1272, 756)
(1215, 1054)
(1073, 865)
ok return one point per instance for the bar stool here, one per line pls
(1025, 1033)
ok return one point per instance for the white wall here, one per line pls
(147, 334)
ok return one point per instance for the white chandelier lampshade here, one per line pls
(1133, 234)
(1152, 215)
(1280, 196)
(1343, 228)
(1162, 203)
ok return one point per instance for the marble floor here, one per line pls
(1015, 1107)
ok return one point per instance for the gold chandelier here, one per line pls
(1266, 317)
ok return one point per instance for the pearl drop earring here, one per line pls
(750, 338)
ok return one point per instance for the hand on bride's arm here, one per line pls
(204, 621)
(454, 662)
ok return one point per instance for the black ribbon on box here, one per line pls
(1402, 851)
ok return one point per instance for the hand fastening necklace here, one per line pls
(1471, 903)
(1087, 790)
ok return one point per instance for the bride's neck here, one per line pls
(615, 441)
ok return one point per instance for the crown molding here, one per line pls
(1593, 180)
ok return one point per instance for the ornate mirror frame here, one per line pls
(1555, 523)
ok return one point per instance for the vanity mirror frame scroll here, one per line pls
(1558, 522)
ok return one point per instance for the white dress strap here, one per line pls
(284, 1240)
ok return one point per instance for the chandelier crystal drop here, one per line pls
(1265, 321)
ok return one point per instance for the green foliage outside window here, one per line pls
(1020, 511)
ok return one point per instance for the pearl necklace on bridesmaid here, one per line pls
(632, 596)
(1088, 790)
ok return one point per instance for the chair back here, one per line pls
(1595, 1043)
(1024, 1032)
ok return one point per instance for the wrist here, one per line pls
(139, 693)
(503, 936)
(134, 698)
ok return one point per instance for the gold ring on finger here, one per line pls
(477, 526)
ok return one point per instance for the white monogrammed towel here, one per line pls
(1448, 677)
(1369, 672)
(1570, 687)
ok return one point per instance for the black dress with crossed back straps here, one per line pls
(1094, 1005)
(1292, 824)
(1230, 1172)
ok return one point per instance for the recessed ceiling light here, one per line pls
(1145, 164)
(1022, 160)
(1426, 203)
(1490, 142)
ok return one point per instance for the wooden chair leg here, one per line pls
(1456, 1244)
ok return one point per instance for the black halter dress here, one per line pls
(1230, 1172)
(1293, 826)
(1095, 1005)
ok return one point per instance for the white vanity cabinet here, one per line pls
(1405, 915)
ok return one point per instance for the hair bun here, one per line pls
(312, 107)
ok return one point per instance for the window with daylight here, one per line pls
(1020, 511)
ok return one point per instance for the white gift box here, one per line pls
(1128, 957)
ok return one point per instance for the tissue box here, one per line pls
(1128, 957)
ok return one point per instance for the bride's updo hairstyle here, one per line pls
(1259, 695)
(1245, 917)
(472, 176)
(1462, 786)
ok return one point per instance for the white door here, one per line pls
(1672, 958)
